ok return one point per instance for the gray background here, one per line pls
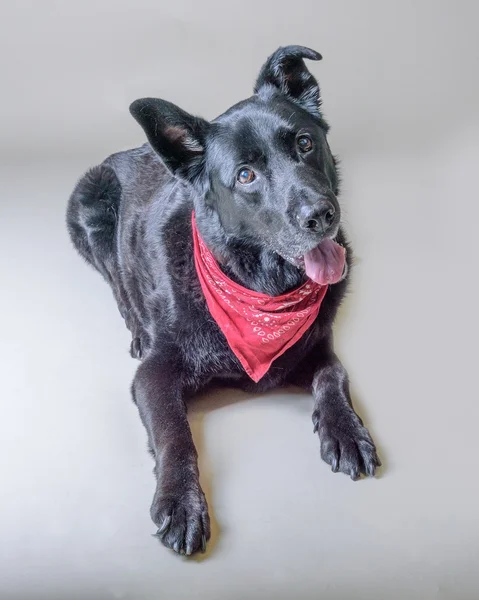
(400, 88)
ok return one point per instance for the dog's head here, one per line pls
(264, 167)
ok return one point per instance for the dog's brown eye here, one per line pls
(305, 143)
(246, 176)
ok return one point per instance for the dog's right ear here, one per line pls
(176, 136)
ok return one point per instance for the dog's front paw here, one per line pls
(183, 521)
(346, 444)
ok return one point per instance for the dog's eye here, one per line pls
(246, 176)
(305, 143)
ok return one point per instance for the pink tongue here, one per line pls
(325, 263)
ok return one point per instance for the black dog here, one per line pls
(263, 185)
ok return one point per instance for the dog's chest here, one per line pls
(207, 354)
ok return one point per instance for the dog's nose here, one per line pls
(317, 217)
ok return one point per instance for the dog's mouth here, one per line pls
(325, 264)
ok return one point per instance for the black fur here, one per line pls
(130, 218)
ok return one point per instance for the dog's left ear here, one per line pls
(286, 71)
(176, 136)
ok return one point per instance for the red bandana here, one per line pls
(257, 327)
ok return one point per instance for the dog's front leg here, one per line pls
(346, 444)
(179, 506)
